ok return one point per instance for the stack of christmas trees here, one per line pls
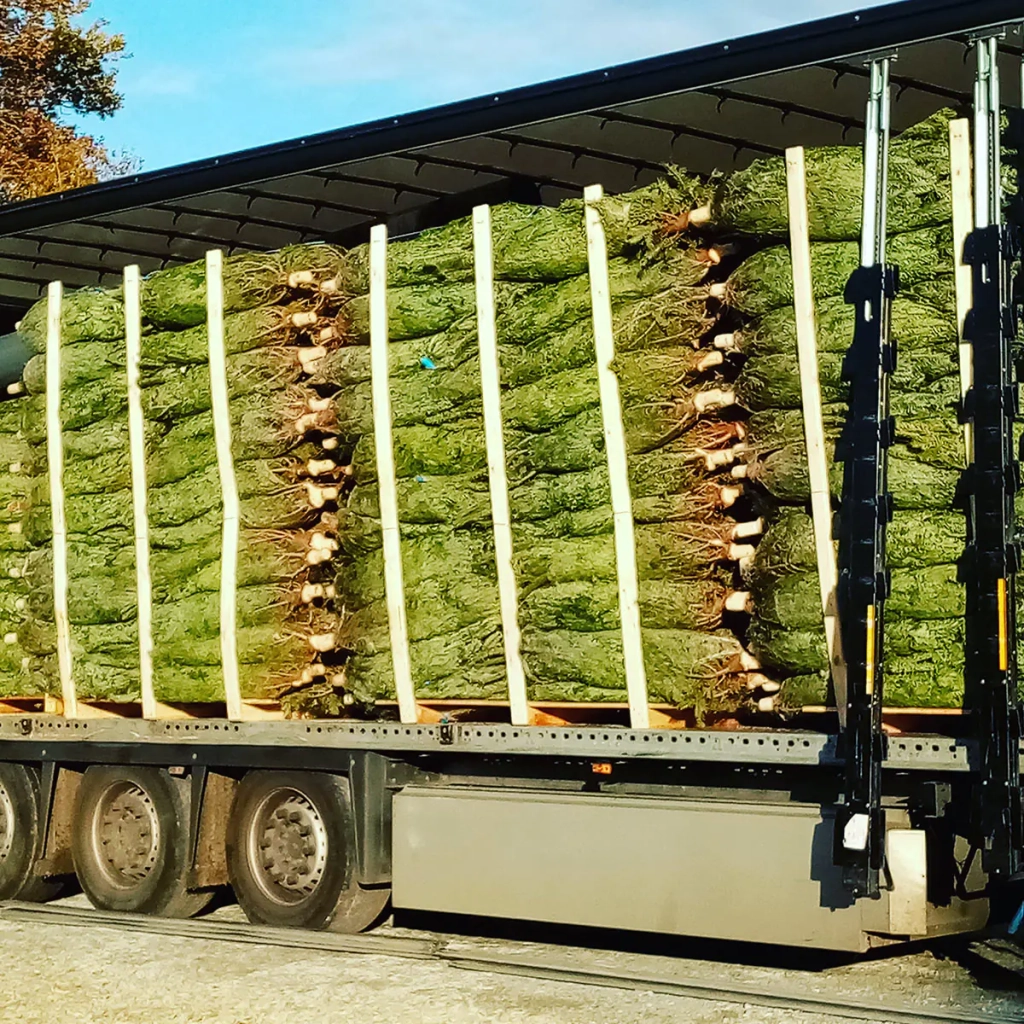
(702, 302)
(924, 615)
(564, 546)
(277, 323)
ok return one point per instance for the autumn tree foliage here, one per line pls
(53, 64)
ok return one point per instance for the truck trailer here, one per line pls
(844, 826)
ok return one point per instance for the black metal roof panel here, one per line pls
(714, 107)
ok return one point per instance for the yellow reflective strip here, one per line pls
(1004, 654)
(869, 654)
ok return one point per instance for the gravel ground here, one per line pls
(87, 975)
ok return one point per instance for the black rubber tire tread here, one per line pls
(162, 893)
(338, 903)
(18, 880)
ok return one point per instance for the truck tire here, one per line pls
(21, 837)
(291, 854)
(130, 842)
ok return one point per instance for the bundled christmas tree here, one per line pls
(924, 614)
(15, 484)
(276, 323)
(563, 539)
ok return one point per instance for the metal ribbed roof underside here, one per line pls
(714, 108)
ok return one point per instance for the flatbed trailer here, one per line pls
(574, 814)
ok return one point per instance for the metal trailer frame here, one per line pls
(415, 787)
(726, 835)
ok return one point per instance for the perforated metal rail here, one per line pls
(50, 737)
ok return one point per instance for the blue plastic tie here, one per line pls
(1017, 921)
(421, 479)
(427, 363)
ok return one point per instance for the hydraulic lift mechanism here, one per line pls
(993, 479)
(993, 820)
(866, 511)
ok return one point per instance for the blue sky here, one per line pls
(213, 76)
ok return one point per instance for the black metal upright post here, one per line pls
(993, 479)
(865, 512)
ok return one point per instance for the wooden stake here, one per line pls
(394, 585)
(814, 427)
(55, 468)
(615, 445)
(137, 444)
(228, 483)
(490, 383)
(963, 225)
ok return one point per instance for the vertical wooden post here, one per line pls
(814, 427)
(137, 444)
(490, 383)
(55, 467)
(394, 585)
(963, 225)
(618, 472)
(228, 483)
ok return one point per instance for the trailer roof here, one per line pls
(713, 107)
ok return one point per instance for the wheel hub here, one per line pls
(287, 846)
(126, 834)
(7, 823)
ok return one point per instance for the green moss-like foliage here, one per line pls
(923, 638)
(535, 244)
(184, 492)
(86, 315)
(914, 482)
(773, 381)
(764, 282)
(176, 297)
(14, 549)
(755, 200)
(915, 326)
(564, 552)
(526, 312)
(437, 396)
(562, 527)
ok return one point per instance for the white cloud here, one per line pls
(457, 47)
(163, 80)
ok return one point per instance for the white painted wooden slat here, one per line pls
(490, 381)
(228, 483)
(55, 469)
(814, 427)
(963, 225)
(394, 585)
(615, 446)
(140, 506)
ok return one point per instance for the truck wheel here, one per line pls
(21, 837)
(130, 843)
(291, 854)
